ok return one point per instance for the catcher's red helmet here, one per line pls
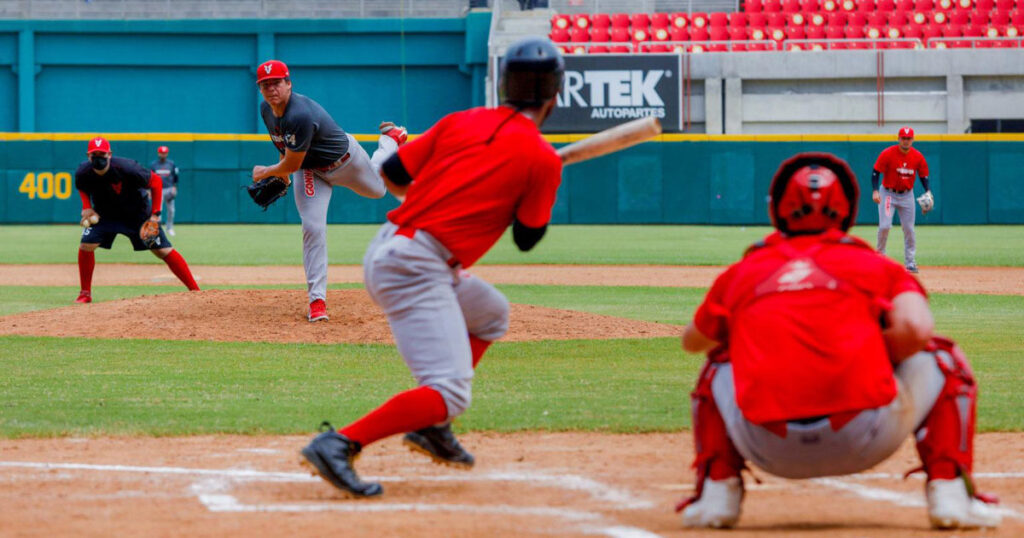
(812, 192)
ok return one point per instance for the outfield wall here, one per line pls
(681, 179)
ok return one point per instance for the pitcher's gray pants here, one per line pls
(432, 308)
(813, 450)
(312, 190)
(906, 205)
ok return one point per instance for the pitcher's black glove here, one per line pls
(267, 190)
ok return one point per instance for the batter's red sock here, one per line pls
(86, 263)
(478, 347)
(405, 412)
(180, 270)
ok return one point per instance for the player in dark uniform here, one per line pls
(168, 172)
(317, 155)
(114, 190)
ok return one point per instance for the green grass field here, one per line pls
(54, 386)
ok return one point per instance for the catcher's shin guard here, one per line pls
(716, 457)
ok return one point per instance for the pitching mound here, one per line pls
(280, 316)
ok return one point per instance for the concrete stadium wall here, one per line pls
(197, 76)
(682, 179)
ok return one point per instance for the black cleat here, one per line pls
(440, 444)
(331, 455)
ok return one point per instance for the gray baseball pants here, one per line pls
(905, 204)
(312, 190)
(433, 307)
(814, 449)
(168, 202)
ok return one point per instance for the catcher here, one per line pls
(318, 155)
(822, 361)
(114, 202)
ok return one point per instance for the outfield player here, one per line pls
(464, 181)
(168, 172)
(317, 155)
(898, 165)
(822, 361)
(114, 189)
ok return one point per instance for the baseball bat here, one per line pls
(611, 139)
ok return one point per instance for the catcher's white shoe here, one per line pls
(950, 507)
(718, 506)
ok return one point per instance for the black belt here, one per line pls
(335, 164)
(808, 420)
(894, 191)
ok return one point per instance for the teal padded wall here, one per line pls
(671, 182)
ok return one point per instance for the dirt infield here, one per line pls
(984, 280)
(280, 316)
(526, 484)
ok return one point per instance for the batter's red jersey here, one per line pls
(800, 319)
(471, 179)
(898, 168)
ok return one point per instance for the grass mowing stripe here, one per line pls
(564, 244)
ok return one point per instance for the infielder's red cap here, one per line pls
(270, 70)
(162, 149)
(906, 132)
(99, 144)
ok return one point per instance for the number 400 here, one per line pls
(46, 185)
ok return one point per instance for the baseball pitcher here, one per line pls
(898, 165)
(316, 155)
(114, 201)
(464, 181)
(822, 361)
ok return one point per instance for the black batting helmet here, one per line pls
(812, 192)
(531, 73)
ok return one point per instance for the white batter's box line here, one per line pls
(899, 498)
(618, 498)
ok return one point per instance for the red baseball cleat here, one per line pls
(398, 134)
(84, 297)
(318, 310)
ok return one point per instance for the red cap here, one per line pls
(162, 149)
(271, 69)
(906, 132)
(99, 144)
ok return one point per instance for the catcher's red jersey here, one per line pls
(473, 173)
(898, 168)
(800, 318)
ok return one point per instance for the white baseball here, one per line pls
(93, 219)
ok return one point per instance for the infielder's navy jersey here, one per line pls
(306, 126)
(167, 171)
(120, 194)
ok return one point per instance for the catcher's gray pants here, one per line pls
(904, 203)
(312, 190)
(432, 308)
(814, 449)
(169, 194)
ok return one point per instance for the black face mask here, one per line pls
(99, 162)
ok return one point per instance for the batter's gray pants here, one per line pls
(905, 204)
(432, 308)
(312, 190)
(812, 450)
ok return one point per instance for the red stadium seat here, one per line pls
(620, 20)
(984, 5)
(599, 49)
(964, 4)
(659, 20)
(577, 35)
(853, 32)
(561, 22)
(757, 20)
(1017, 18)
(1000, 17)
(600, 35)
(772, 6)
(886, 5)
(619, 49)
(848, 5)
(979, 17)
(921, 18)
(679, 34)
(640, 34)
(698, 20)
(815, 32)
(758, 34)
(776, 32)
(718, 33)
(939, 17)
(775, 19)
(679, 20)
(835, 32)
(737, 34)
(791, 6)
(1005, 5)
(994, 31)
(898, 18)
(829, 6)
(658, 48)
(857, 19)
(924, 5)
(905, 5)
(959, 16)
(620, 35)
(601, 20)
(837, 19)
(795, 32)
(913, 31)
(660, 34)
(877, 18)
(945, 5)
(974, 30)
(581, 20)
(796, 19)
(874, 32)
(816, 19)
(739, 19)
(640, 20)
(559, 35)
(699, 34)
(810, 6)
(752, 6)
(718, 19)
(866, 6)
